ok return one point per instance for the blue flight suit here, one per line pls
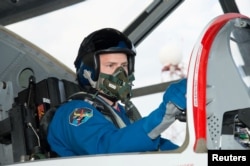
(78, 128)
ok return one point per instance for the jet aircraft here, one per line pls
(218, 91)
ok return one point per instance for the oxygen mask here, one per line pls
(117, 85)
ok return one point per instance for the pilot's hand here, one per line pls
(174, 100)
(176, 94)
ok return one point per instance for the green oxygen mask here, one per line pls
(118, 85)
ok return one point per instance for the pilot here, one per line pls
(104, 120)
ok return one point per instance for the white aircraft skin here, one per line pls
(193, 152)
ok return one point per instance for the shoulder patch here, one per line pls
(80, 115)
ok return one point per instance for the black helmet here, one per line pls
(105, 40)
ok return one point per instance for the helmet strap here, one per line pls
(87, 75)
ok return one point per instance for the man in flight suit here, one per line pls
(104, 68)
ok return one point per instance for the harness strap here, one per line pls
(101, 105)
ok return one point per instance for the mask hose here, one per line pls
(132, 111)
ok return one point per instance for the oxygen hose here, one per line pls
(132, 111)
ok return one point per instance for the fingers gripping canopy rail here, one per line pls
(221, 83)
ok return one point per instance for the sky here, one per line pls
(60, 33)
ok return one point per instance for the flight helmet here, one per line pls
(106, 40)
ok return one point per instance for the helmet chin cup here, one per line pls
(117, 85)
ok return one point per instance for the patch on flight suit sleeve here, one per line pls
(80, 115)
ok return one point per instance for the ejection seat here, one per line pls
(30, 116)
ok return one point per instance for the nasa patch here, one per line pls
(80, 115)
